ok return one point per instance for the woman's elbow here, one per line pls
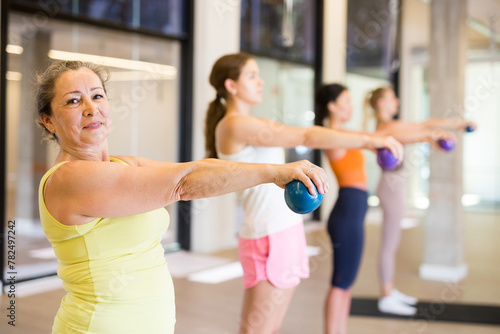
(183, 191)
(192, 188)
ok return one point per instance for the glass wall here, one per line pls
(144, 95)
(163, 17)
(280, 29)
(372, 37)
(481, 157)
(288, 96)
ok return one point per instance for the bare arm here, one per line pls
(410, 133)
(413, 132)
(81, 190)
(247, 130)
(409, 136)
(448, 124)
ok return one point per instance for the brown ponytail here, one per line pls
(226, 67)
(216, 110)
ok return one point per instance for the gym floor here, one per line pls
(214, 308)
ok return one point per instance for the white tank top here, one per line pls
(264, 207)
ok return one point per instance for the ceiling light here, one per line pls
(15, 49)
(128, 64)
(13, 76)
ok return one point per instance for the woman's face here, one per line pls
(80, 109)
(342, 107)
(388, 105)
(249, 85)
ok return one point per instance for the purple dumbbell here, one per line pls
(446, 144)
(386, 159)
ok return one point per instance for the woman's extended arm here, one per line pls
(78, 191)
(448, 124)
(248, 130)
(410, 133)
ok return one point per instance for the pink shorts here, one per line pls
(279, 258)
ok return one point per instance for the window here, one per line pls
(266, 24)
(163, 17)
(145, 111)
(288, 98)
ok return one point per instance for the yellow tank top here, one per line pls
(114, 272)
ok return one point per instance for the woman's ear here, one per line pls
(47, 122)
(331, 106)
(230, 86)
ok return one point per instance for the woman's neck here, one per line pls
(237, 107)
(335, 124)
(383, 117)
(91, 154)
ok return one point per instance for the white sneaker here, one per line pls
(392, 305)
(404, 298)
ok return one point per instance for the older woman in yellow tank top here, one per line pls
(105, 215)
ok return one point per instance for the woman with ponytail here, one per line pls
(271, 243)
(383, 104)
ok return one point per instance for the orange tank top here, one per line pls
(350, 169)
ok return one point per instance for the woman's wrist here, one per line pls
(433, 136)
(369, 142)
(270, 173)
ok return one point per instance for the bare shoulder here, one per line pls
(74, 172)
(65, 186)
(234, 122)
(243, 125)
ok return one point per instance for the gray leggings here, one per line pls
(391, 192)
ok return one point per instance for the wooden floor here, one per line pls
(214, 308)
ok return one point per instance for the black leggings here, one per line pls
(346, 230)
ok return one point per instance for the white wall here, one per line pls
(334, 70)
(334, 40)
(217, 32)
